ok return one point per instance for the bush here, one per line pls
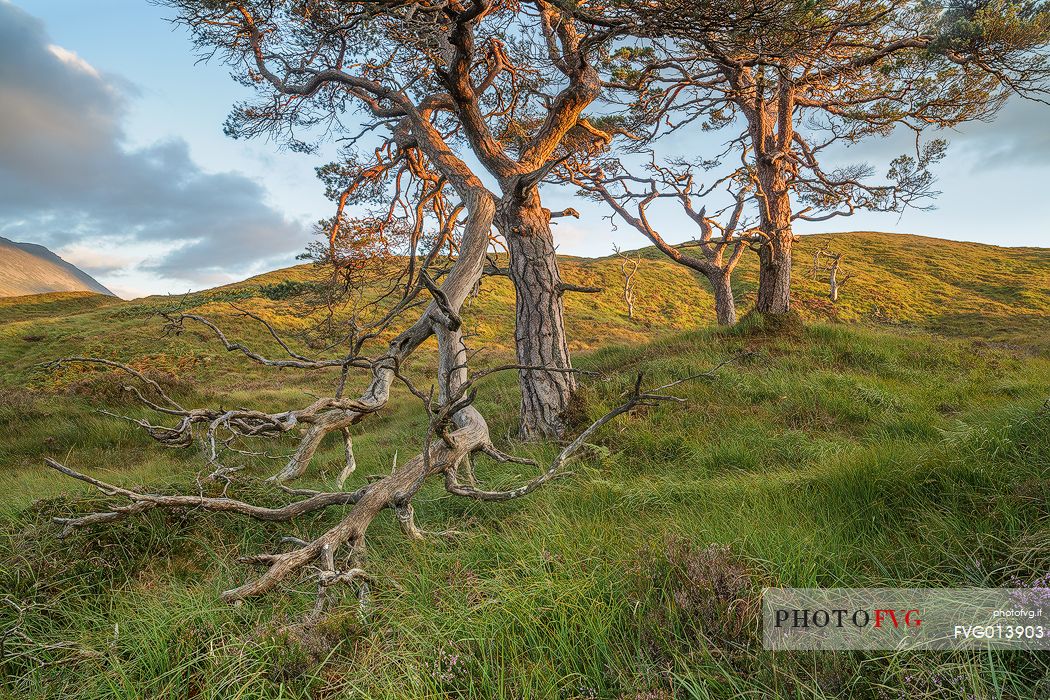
(288, 289)
(109, 385)
(713, 593)
(17, 403)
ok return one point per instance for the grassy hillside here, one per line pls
(994, 295)
(837, 454)
(44, 307)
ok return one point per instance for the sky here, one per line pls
(112, 154)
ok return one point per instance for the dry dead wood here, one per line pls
(457, 432)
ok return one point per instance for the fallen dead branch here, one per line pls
(456, 434)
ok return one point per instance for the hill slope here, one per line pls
(987, 294)
(27, 268)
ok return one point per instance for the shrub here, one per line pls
(108, 385)
(712, 592)
(17, 403)
(287, 289)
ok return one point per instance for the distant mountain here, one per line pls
(27, 268)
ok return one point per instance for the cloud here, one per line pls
(72, 59)
(1015, 137)
(96, 261)
(1018, 136)
(66, 178)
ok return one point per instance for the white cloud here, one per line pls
(67, 181)
(71, 58)
(97, 260)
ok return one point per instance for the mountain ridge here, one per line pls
(30, 268)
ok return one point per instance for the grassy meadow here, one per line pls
(900, 437)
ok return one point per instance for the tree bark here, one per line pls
(539, 331)
(725, 306)
(774, 257)
(774, 276)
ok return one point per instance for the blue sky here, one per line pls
(159, 112)
(174, 96)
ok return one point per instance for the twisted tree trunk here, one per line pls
(725, 306)
(774, 256)
(539, 331)
(774, 275)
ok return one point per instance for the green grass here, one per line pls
(833, 455)
(997, 296)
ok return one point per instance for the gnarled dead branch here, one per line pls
(456, 433)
